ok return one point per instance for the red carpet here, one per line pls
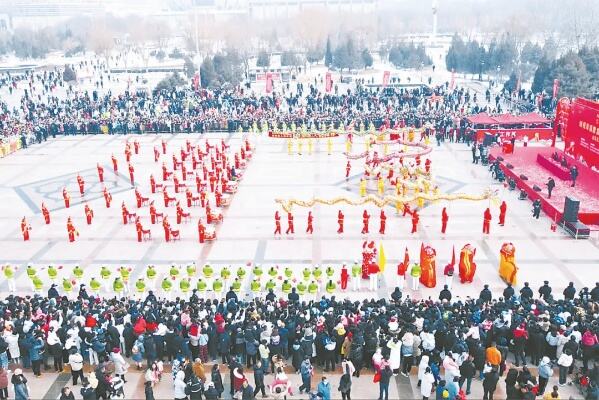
(524, 161)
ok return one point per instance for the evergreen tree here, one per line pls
(263, 59)
(367, 60)
(328, 55)
(208, 77)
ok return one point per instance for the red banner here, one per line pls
(581, 134)
(532, 133)
(196, 81)
(268, 82)
(452, 83)
(555, 88)
(386, 76)
(329, 82)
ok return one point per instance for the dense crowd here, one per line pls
(42, 113)
(451, 343)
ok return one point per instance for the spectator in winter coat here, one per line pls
(545, 371)
(179, 386)
(564, 363)
(76, 364)
(19, 383)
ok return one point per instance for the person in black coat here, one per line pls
(217, 381)
(211, 393)
(259, 379)
(485, 295)
(508, 292)
(490, 384)
(570, 292)
(545, 291)
(445, 294)
(526, 293)
(148, 391)
(467, 372)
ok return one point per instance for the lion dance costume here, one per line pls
(428, 265)
(467, 264)
(507, 263)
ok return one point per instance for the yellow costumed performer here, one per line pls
(507, 263)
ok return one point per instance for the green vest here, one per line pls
(184, 285)
(257, 271)
(301, 288)
(140, 285)
(118, 285)
(201, 285)
(286, 287)
(288, 272)
(356, 270)
(78, 272)
(38, 283)
(8, 271)
(255, 286)
(217, 285)
(236, 285)
(31, 272)
(317, 273)
(270, 284)
(208, 271)
(306, 273)
(330, 271)
(125, 273)
(225, 273)
(67, 285)
(167, 284)
(94, 284)
(174, 271)
(105, 273)
(151, 273)
(191, 270)
(52, 272)
(312, 288)
(331, 287)
(416, 271)
(241, 272)
(272, 272)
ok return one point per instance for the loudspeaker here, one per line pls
(523, 177)
(571, 207)
(488, 139)
(536, 188)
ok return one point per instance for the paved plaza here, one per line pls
(40, 172)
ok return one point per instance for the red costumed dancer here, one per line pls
(347, 170)
(444, 219)
(502, 211)
(181, 213)
(167, 198)
(487, 221)
(66, 197)
(154, 214)
(310, 228)
(81, 184)
(25, 228)
(126, 214)
(46, 214)
(340, 219)
(277, 223)
(107, 197)
(428, 265)
(383, 222)
(100, 172)
(166, 174)
(163, 142)
(156, 154)
(89, 214)
(415, 220)
(141, 232)
(131, 176)
(368, 258)
(71, 231)
(365, 219)
(344, 277)
(289, 223)
(115, 164)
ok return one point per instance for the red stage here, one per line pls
(533, 125)
(524, 160)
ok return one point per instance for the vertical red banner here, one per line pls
(268, 82)
(329, 82)
(555, 88)
(386, 76)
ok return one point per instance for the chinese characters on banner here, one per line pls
(329, 82)
(268, 82)
(386, 76)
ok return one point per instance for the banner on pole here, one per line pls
(555, 88)
(329, 82)
(268, 82)
(452, 83)
(386, 76)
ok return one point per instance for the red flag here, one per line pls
(406, 258)
(453, 256)
(268, 82)
(555, 88)
(421, 251)
(452, 84)
(196, 81)
(386, 76)
(329, 82)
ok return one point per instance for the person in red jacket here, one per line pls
(444, 219)
(415, 220)
(289, 223)
(25, 228)
(310, 228)
(71, 231)
(340, 219)
(344, 276)
(154, 214)
(383, 222)
(365, 219)
(277, 223)
(487, 221)
(502, 211)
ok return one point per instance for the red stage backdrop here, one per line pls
(329, 81)
(581, 130)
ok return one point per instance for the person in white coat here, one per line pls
(422, 368)
(395, 356)
(120, 365)
(180, 385)
(426, 385)
(12, 341)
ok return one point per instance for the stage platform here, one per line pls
(524, 161)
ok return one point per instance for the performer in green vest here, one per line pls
(356, 279)
(330, 272)
(217, 287)
(306, 273)
(105, 275)
(270, 284)
(184, 285)
(125, 274)
(288, 272)
(208, 271)
(201, 286)
(140, 287)
(52, 272)
(301, 288)
(9, 275)
(236, 286)
(31, 273)
(286, 287)
(191, 270)
(78, 273)
(151, 275)
(415, 273)
(174, 271)
(272, 272)
(313, 289)
(255, 286)
(167, 286)
(67, 286)
(225, 275)
(330, 287)
(241, 273)
(95, 285)
(257, 271)
(118, 286)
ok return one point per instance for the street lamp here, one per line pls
(480, 74)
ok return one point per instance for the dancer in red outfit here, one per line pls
(107, 197)
(81, 184)
(406, 209)
(126, 214)
(25, 228)
(502, 211)
(167, 199)
(46, 214)
(165, 172)
(163, 142)
(289, 223)
(115, 165)
(141, 232)
(100, 172)
(140, 199)
(277, 223)
(66, 197)
(156, 154)
(444, 219)
(427, 166)
(89, 214)
(487, 221)
(340, 219)
(136, 146)
(154, 214)
(365, 219)
(347, 170)
(383, 222)
(71, 231)
(415, 220)
(190, 197)
(181, 214)
(344, 277)
(131, 176)
(310, 228)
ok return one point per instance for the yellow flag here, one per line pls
(382, 258)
